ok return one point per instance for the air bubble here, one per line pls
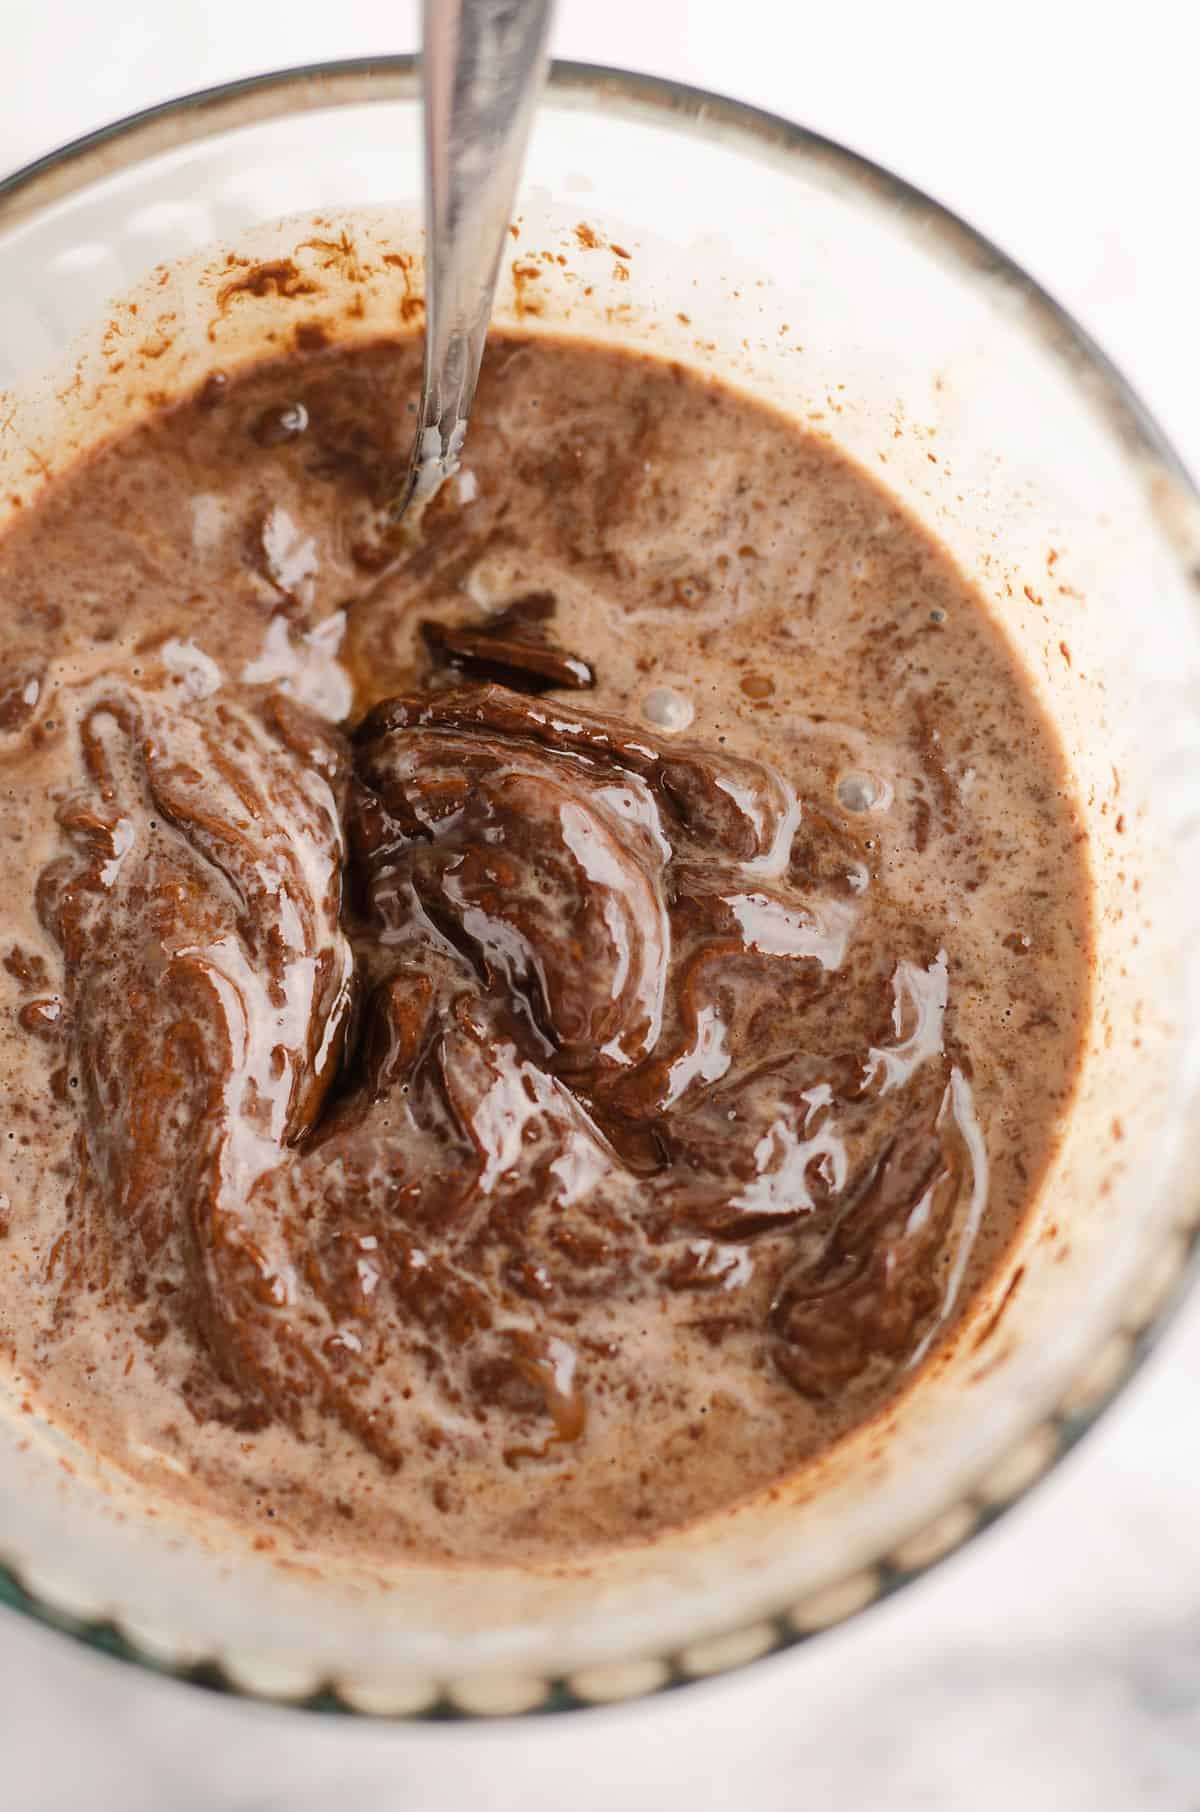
(859, 792)
(668, 710)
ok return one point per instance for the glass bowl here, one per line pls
(766, 255)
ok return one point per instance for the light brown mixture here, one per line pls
(562, 1099)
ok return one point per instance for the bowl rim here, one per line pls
(202, 113)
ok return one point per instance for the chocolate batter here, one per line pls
(511, 1049)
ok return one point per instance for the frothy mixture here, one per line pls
(516, 1046)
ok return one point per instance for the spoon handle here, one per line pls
(482, 64)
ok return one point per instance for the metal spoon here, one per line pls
(482, 65)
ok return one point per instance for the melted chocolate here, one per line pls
(628, 1023)
(512, 647)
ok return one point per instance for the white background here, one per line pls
(1056, 1663)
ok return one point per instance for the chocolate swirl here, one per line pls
(574, 1015)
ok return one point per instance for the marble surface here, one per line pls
(1056, 1662)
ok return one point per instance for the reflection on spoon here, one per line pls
(482, 63)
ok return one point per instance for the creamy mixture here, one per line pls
(515, 1040)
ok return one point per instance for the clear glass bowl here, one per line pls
(799, 272)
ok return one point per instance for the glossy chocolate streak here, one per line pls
(449, 1117)
(629, 1021)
